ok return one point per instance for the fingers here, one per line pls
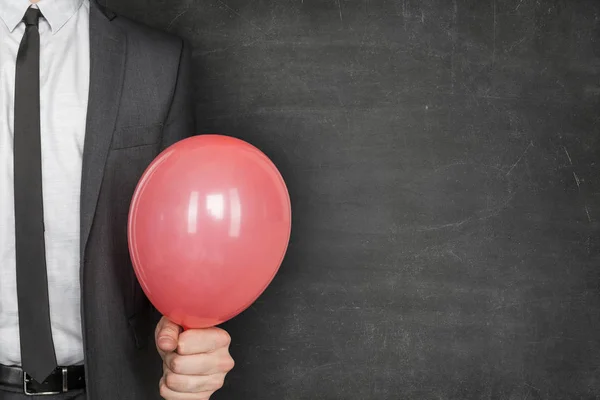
(167, 335)
(216, 362)
(169, 394)
(195, 361)
(193, 384)
(195, 341)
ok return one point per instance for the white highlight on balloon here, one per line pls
(193, 212)
(215, 205)
(235, 215)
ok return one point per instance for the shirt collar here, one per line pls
(56, 12)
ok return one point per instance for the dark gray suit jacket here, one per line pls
(139, 103)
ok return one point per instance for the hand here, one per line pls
(195, 362)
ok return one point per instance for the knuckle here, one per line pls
(217, 382)
(228, 364)
(175, 364)
(163, 390)
(182, 346)
(224, 339)
(171, 380)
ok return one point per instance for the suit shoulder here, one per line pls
(148, 38)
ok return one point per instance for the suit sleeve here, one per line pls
(180, 122)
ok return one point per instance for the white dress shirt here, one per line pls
(64, 80)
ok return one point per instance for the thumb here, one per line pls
(167, 335)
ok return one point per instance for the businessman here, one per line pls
(87, 100)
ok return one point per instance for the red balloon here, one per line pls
(209, 225)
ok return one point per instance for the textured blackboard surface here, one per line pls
(443, 162)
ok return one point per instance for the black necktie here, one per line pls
(37, 346)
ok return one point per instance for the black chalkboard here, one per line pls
(443, 159)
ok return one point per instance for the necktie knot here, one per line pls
(32, 16)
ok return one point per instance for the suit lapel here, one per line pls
(107, 61)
